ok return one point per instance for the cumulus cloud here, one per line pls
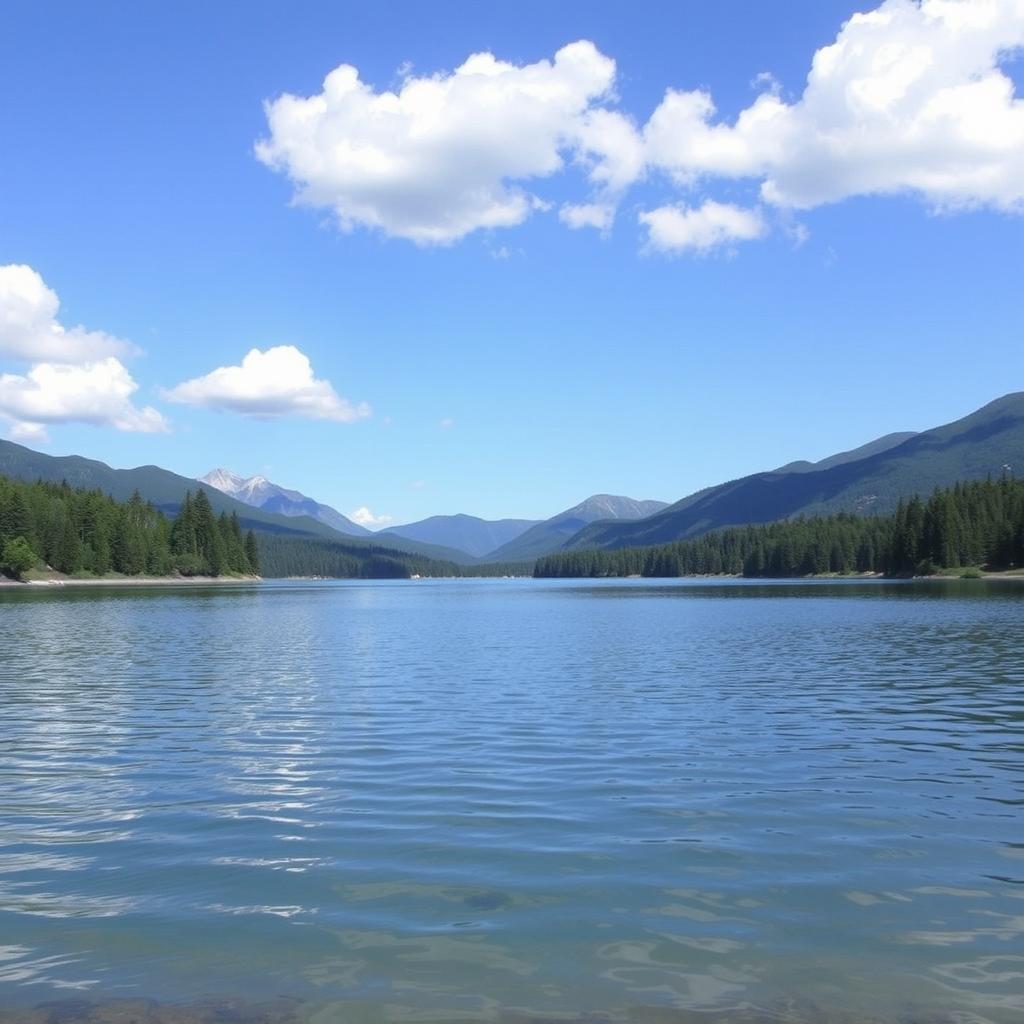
(270, 384)
(29, 328)
(98, 393)
(364, 517)
(448, 154)
(910, 98)
(700, 229)
(74, 374)
(587, 215)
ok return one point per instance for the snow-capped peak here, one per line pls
(252, 490)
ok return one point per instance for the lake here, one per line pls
(501, 800)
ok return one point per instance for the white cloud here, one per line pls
(32, 432)
(277, 382)
(29, 328)
(701, 229)
(765, 81)
(611, 148)
(446, 423)
(448, 154)
(909, 98)
(364, 517)
(98, 393)
(587, 215)
(797, 233)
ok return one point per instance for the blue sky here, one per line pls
(510, 370)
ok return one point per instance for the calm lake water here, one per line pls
(487, 800)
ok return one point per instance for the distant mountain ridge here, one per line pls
(259, 492)
(475, 536)
(548, 536)
(989, 441)
(499, 540)
(876, 447)
(166, 490)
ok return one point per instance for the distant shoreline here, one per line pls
(189, 581)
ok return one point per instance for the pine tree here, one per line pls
(252, 553)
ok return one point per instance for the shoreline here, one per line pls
(129, 581)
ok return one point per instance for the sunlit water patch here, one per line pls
(513, 800)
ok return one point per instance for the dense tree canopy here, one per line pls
(971, 524)
(78, 531)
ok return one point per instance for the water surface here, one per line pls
(499, 800)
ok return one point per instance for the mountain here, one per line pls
(476, 536)
(551, 534)
(987, 442)
(166, 490)
(259, 492)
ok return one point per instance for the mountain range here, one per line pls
(868, 480)
(499, 540)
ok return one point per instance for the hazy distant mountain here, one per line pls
(259, 492)
(551, 534)
(987, 442)
(476, 536)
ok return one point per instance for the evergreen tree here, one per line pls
(252, 553)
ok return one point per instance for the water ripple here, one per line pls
(497, 800)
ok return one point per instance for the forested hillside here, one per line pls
(979, 523)
(988, 442)
(159, 487)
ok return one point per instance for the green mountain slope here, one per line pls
(989, 441)
(166, 490)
